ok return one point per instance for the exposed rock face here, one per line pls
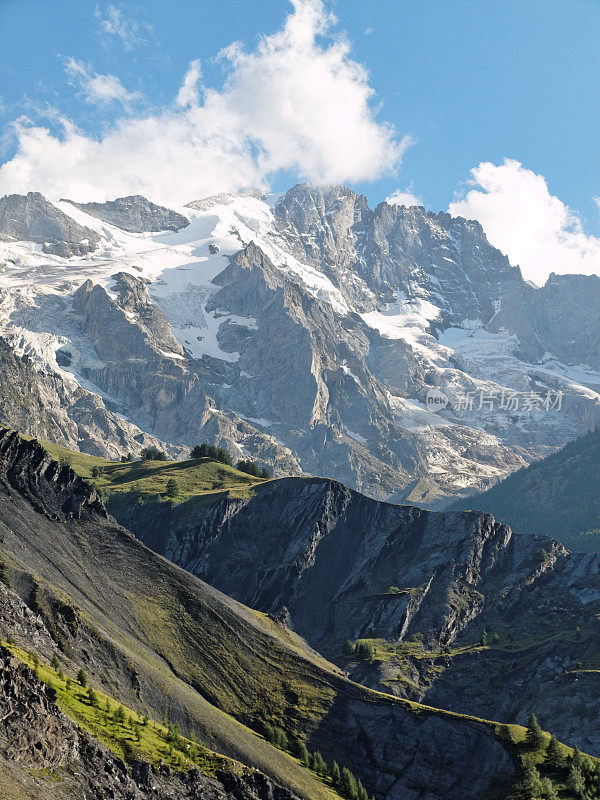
(32, 218)
(49, 406)
(135, 214)
(52, 489)
(140, 361)
(347, 567)
(160, 639)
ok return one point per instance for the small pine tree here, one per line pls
(36, 661)
(82, 678)
(531, 784)
(69, 684)
(92, 698)
(348, 785)
(172, 488)
(107, 706)
(281, 739)
(576, 759)
(269, 734)
(548, 791)
(265, 474)
(336, 775)
(553, 757)
(361, 791)
(302, 753)
(484, 638)
(575, 782)
(320, 765)
(54, 663)
(349, 648)
(534, 736)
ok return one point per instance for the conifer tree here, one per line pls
(92, 697)
(534, 735)
(548, 791)
(576, 759)
(349, 648)
(575, 782)
(303, 754)
(82, 678)
(336, 775)
(553, 757)
(531, 784)
(348, 785)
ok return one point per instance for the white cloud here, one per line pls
(403, 198)
(297, 103)
(535, 229)
(130, 32)
(188, 95)
(98, 89)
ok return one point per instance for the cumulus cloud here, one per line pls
(114, 23)
(522, 218)
(402, 197)
(298, 102)
(98, 89)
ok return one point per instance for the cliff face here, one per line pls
(453, 601)
(51, 488)
(159, 639)
(135, 214)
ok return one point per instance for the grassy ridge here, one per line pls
(147, 480)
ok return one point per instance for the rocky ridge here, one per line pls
(32, 218)
(135, 214)
(425, 588)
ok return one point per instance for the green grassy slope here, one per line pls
(139, 481)
(558, 496)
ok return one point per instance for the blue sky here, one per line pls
(469, 81)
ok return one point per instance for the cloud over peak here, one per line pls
(534, 228)
(296, 102)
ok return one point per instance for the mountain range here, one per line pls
(304, 330)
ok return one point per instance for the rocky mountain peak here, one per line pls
(135, 214)
(32, 218)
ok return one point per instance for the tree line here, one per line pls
(341, 778)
